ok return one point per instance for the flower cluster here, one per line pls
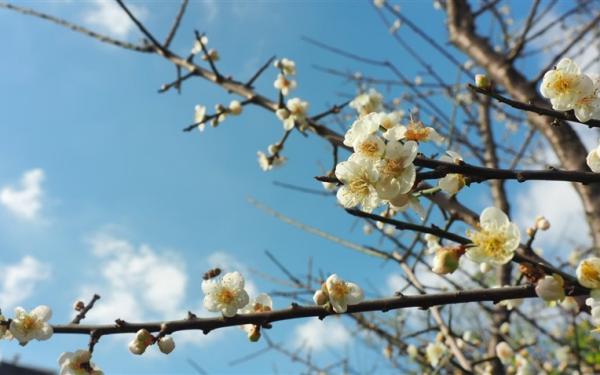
(143, 339)
(284, 83)
(78, 363)
(294, 114)
(27, 326)
(381, 169)
(496, 240)
(338, 294)
(570, 89)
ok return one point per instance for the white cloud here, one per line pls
(108, 17)
(135, 283)
(26, 202)
(318, 334)
(18, 281)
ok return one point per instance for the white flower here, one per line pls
(28, 326)
(77, 363)
(261, 303)
(212, 55)
(379, 3)
(287, 66)
(452, 182)
(359, 178)
(226, 295)
(593, 160)
(588, 273)
(570, 304)
(166, 344)
(402, 202)
(370, 147)
(397, 173)
(550, 288)
(367, 102)
(267, 163)
(297, 114)
(197, 46)
(199, 116)
(235, 107)
(482, 81)
(504, 352)
(588, 105)
(143, 338)
(362, 128)
(434, 352)
(565, 85)
(338, 293)
(415, 131)
(496, 240)
(284, 85)
(412, 351)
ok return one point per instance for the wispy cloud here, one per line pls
(108, 17)
(18, 281)
(25, 202)
(318, 334)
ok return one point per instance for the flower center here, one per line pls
(29, 322)
(492, 242)
(225, 296)
(589, 271)
(416, 132)
(393, 167)
(360, 185)
(368, 148)
(562, 84)
(339, 289)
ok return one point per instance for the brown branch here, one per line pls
(176, 24)
(85, 310)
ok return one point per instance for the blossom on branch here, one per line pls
(496, 240)
(143, 338)
(166, 344)
(284, 84)
(593, 160)
(287, 66)
(226, 295)
(297, 109)
(359, 178)
(365, 103)
(338, 293)
(261, 303)
(452, 182)
(29, 326)
(588, 273)
(78, 363)
(551, 288)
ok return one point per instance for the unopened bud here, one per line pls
(166, 344)
(482, 81)
(446, 260)
(78, 306)
(254, 334)
(542, 223)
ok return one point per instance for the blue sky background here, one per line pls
(121, 178)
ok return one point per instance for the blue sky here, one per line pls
(119, 193)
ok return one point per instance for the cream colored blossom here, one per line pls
(588, 273)
(504, 352)
(446, 260)
(435, 351)
(297, 114)
(397, 173)
(367, 102)
(402, 202)
(142, 339)
(359, 178)
(587, 107)
(235, 107)
(550, 288)
(370, 147)
(338, 293)
(452, 182)
(261, 303)
(77, 363)
(267, 163)
(226, 295)
(593, 159)
(496, 240)
(565, 85)
(284, 84)
(362, 128)
(415, 131)
(482, 81)
(166, 344)
(287, 66)
(31, 326)
(412, 351)
(199, 116)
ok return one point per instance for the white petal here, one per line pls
(233, 280)
(43, 313)
(493, 217)
(593, 160)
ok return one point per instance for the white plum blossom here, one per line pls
(287, 66)
(359, 178)
(197, 48)
(402, 202)
(143, 338)
(283, 84)
(226, 295)
(482, 81)
(565, 85)
(362, 128)
(166, 344)
(496, 239)
(587, 107)
(397, 173)
(434, 352)
(370, 147)
(78, 363)
(367, 102)
(550, 288)
(261, 303)
(414, 131)
(235, 107)
(199, 116)
(412, 351)
(297, 114)
(593, 159)
(504, 352)
(588, 273)
(33, 325)
(452, 182)
(338, 293)
(267, 163)
(433, 243)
